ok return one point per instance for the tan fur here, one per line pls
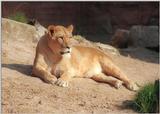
(55, 58)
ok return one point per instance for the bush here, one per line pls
(147, 98)
(19, 16)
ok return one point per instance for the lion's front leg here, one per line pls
(44, 75)
(40, 70)
(63, 80)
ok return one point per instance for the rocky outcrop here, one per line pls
(20, 31)
(15, 30)
(121, 39)
(79, 40)
(137, 36)
(145, 36)
(95, 20)
(17, 37)
(26, 34)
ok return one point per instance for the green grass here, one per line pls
(146, 100)
(78, 37)
(19, 16)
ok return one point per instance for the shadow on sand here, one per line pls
(25, 69)
(128, 104)
(141, 54)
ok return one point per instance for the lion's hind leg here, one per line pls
(110, 69)
(107, 79)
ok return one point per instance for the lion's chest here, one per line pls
(63, 66)
(57, 71)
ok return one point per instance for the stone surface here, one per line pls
(25, 33)
(20, 31)
(137, 36)
(145, 36)
(94, 20)
(79, 40)
(121, 39)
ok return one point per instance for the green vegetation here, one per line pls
(78, 37)
(19, 16)
(147, 98)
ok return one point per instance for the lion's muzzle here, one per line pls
(66, 50)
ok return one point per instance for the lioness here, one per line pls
(55, 58)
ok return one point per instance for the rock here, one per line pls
(79, 40)
(107, 48)
(121, 39)
(102, 22)
(145, 36)
(19, 31)
(26, 33)
(18, 37)
(40, 30)
(138, 36)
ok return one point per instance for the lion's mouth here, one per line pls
(62, 52)
(66, 51)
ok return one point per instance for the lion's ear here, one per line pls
(51, 30)
(70, 28)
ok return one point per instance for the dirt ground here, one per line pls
(22, 93)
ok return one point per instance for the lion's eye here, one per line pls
(61, 37)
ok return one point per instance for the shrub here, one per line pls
(147, 98)
(19, 16)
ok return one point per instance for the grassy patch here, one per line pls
(147, 98)
(78, 37)
(19, 16)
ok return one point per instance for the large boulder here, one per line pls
(145, 36)
(18, 37)
(137, 36)
(15, 30)
(121, 39)
(20, 31)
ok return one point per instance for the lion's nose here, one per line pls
(68, 47)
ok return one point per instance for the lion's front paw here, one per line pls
(53, 80)
(62, 83)
(132, 86)
(118, 84)
(50, 79)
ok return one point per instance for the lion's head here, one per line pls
(59, 37)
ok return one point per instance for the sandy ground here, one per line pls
(22, 93)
